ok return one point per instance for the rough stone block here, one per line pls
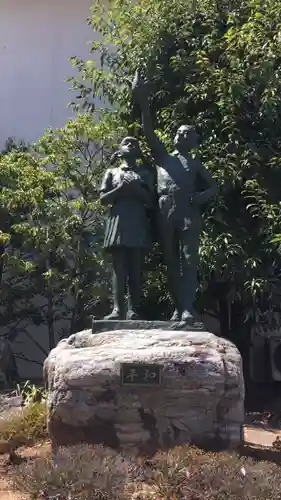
(200, 399)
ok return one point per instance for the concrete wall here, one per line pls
(37, 37)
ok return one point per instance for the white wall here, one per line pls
(37, 37)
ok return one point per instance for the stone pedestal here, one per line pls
(196, 394)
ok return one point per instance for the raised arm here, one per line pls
(140, 93)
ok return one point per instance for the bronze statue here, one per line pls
(128, 190)
(179, 220)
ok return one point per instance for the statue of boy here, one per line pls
(128, 190)
(180, 220)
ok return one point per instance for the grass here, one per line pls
(28, 425)
(185, 473)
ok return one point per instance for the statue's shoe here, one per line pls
(176, 316)
(114, 315)
(187, 317)
(133, 316)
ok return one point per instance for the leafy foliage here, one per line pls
(27, 426)
(25, 185)
(65, 230)
(54, 271)
(12, 144)
(215, 66)
(30, 393)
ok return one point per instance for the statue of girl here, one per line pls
(128, 189)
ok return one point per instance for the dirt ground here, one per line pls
(7, 494)
(6, 491)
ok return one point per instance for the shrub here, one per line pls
(27, 426)
(89, 473)
(31, 393)
(80, 472)
(193, 474)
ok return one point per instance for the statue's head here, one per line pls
(130, 148)
(186, 138)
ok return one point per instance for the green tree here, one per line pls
(54, 273)
(215, 65)
(70, 226)
(62, 234)
(24, 185)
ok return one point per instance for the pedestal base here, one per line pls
(140, 387)
(104, 325)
